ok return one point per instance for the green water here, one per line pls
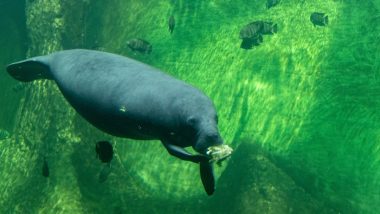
(301, 110)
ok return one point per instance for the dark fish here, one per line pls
(269, 28)
(251, 30)
(4, 134)
(272, 3)
(45, 168)
(106, 171)
(104, 151)
(140, 45)
(171, 23)
(320, 19)
(250, 42)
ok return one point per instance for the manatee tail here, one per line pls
(30, 69)
(207, 176)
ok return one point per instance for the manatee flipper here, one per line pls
(182, 154)
(29, 70)
(207, 176)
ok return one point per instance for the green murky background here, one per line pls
(302, 110)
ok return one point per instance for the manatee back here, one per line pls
(107, 78)
(107, 88)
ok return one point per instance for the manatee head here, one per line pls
(207, 135)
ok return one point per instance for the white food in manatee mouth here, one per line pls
(219, 153)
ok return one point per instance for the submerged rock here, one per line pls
(252, 183)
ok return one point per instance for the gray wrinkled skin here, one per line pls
(127, 98)
(130, 99)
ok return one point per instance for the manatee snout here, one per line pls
(206, 140)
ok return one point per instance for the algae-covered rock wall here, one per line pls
(13, 43)
(304, 101)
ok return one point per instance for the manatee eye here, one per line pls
(191, 121)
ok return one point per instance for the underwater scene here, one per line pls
(217, 106)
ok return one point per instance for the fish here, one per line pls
(104, 151)
(251, 34)
(140, 45)
(268, 28)
(250, 42)
(320, 19)
(45, 168)
(251, 30)
(104, 173)
(4, 134)
(272, 3)
(171, 24)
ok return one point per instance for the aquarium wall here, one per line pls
(300, 109)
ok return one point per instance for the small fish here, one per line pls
(272, 3)
(251, 30)
(104, 151)
(45, 168)
(320, 19)
(4, 134)
(104, 173)
(140, 45)
(171, 23)
(269, 28)
(250, 42)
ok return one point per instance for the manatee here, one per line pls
(320, 19)
(126, 98)
(140, 45)
(171, 24)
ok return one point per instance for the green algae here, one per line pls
(308, 96)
